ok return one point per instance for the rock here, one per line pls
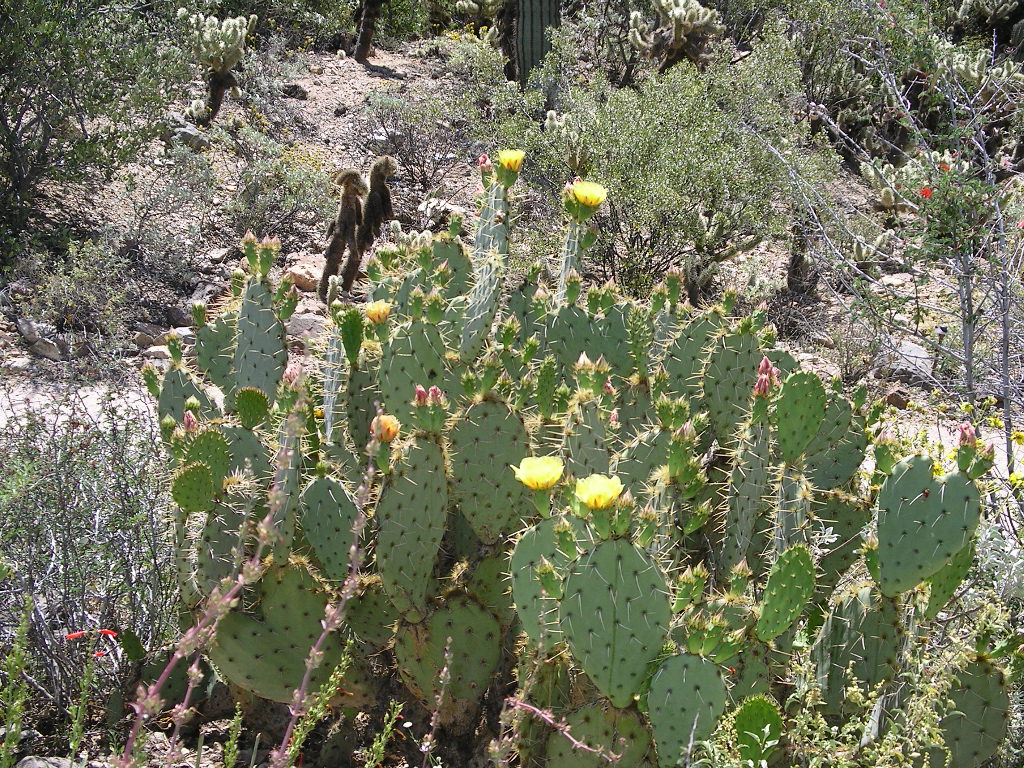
(17, 364)
(190, 136)
(219, 255)
(50, 350)
(185, 333)
(294, 91)
(907, 363)
(897, 398)
(157, 352)
(305, 273)
(177, 317)
(340, 111)
(44, 762)
(306, 324)
(146, 334)
(205, 291)
(316, 69)
(32, 331)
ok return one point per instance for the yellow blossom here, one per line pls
(511, 159)
(377, 312)
(539, 473)
(598, 491)
(385, 427)
(589, 194)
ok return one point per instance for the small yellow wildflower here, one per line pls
(598, 491)
(385, 427)
(539, 473)
(511, 159)
(377, 312)
(589, 194)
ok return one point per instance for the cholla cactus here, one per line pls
(991, 11)
(899, 188)
(684, 30)
(486, 9)
(219, 46)
(565, 127)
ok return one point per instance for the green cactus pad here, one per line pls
(569, 334)
(686, 698)
(488, 584)
(194, 488)
(411, 517)
(209, 447)
(614, 614)
(333, 369)
(979, 714)
(217, 551)
(749, 672)
(862, 631)
(483, 446)
(370, 615)
(835, 453)
(728, 381)
(923, 522)
(538, 611)
(790, 586)
(846, 515)
(798, 413)
(585, 449)
(945, 583)
(260, 351)
(454, 252)
(252, 407)
(685, 357)
(640, 458)
(749, 494)
(215, 349)
(474, 648)
(414, 355)
(177, 387)
(267, 655)
(755, 723)
(483, 306)
(327, 515)
(614, 732)
(248, 452)
(361, 392)
(613, 329)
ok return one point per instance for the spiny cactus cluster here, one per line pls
(636, 516)
(219, 46)
(684, 30)
(900, 187)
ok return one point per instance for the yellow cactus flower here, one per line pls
(598, 491)
(511, 159)
(377, 312)
(589, 194)
(539, 472)
(385, 427)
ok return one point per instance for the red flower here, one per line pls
(943, 166)
(100, 653)
(108, 632)
(926, 192)
(75, 635)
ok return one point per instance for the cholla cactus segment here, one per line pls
(684, 30)
(218, 44)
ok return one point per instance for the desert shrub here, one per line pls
(81, 84)
(278, 187)
(264, 71)
(425, 138)
(83, 530)
(84, 290)
(317, 24)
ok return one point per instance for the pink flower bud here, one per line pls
(763, 387)
(484, 164)
(608, 388)
(966, 434)
(436, 396)
(687, 432)
(190, 422)
(765, 368)
(292, 373)
(421, 395)
(613, 417)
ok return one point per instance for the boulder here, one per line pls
(908, 363)
(305, 273)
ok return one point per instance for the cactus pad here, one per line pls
(686, 698)
(615, 732)
(799, 410)
(923, 522)
(327, 515)
(790, 586)
(194, 488)
(614, 615)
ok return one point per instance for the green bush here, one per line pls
(81, 85)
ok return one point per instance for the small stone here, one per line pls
(48, 349)
(177, 317)
(185, 334)
(219, 255)
(316, 69)
(294, 91)
(18, 364)
(340, 111)
(908, 363)
(305, 273)
(32, 331)
(306, 324)
(146, 334)
(44, 762)
(897, 398)
(191, 137)
(157, 352)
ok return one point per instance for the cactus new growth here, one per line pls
(219, 46)
(684, 30)
(590, 505)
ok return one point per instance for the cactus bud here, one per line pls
(421, 396)
(385, 427)
(189, 422)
